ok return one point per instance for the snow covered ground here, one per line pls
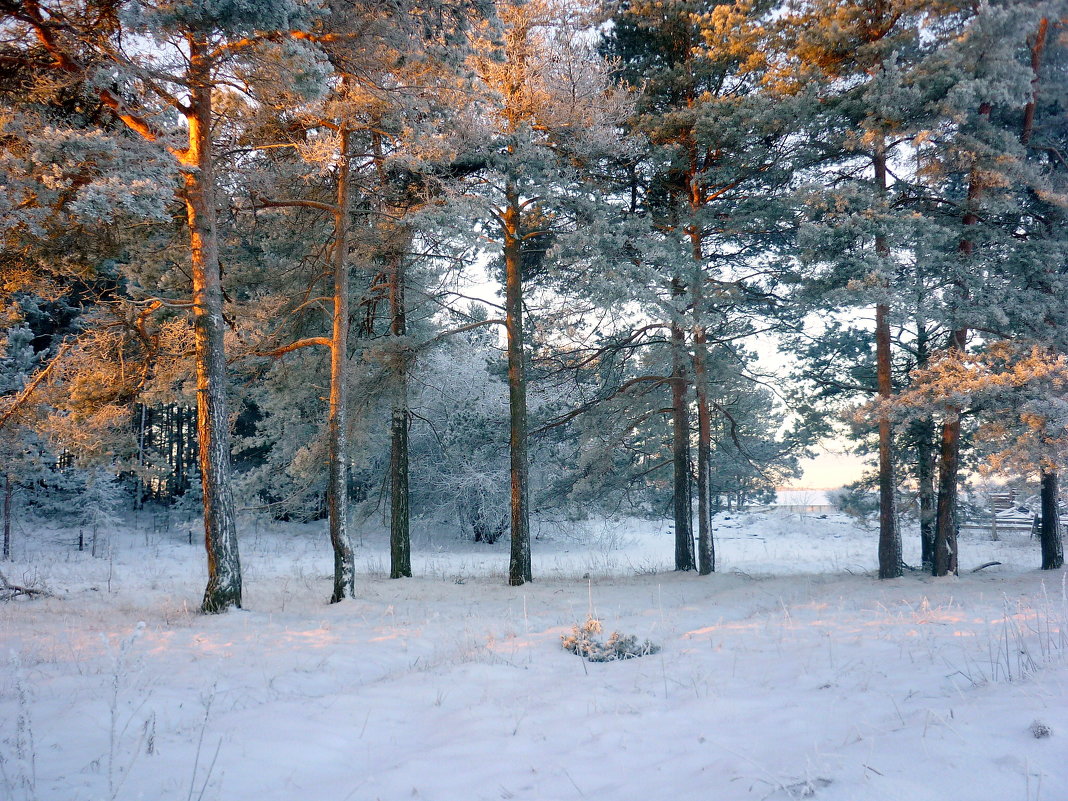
(791, 673)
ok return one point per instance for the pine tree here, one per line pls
(204, 41)
(715, 183)
(551, 106)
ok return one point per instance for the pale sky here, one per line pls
(830, 469)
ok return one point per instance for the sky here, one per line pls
(830, 468)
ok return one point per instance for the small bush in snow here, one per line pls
(581, 641)
(1041, 730)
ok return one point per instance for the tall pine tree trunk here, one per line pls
(924, 438)
(198, 194)
(400, 548)
(706, 552)
(1050, 532)
(680, 444)
(337, 487)
(706, 547)
(889, 535)
(519, 570)
(945, 542)
(945, 560)
(220, 532)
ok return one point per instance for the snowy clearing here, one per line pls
(791, 673)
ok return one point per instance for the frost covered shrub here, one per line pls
(581, 641)
(856, 500)
(1040, 730)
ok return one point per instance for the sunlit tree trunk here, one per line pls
(220, 532)
(519, 568)
(945, 542)
(337, 481)
(949, 457)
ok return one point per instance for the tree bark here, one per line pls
(220, 532)
(1050, 532)
(925, 473)
(1038, 46)
(337, 487)
(945, 541)
(949, 457)
(889, 536)
(519, 569)
(7, 516)
(706, 549)
(680, 445)
(924, 438)
(139, 487)
(400, 547)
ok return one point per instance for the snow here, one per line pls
(791, 673)
(801, 497)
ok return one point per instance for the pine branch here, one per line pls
(29, 388)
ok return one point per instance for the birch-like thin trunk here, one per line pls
(400, 544)
(337, 481)
(220, 531)
(519, 569)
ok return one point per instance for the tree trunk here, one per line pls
(680, 445)
(139, 488)
(7, 516)
(180, 480)
(889, 535)
(925, 472)
(1038, 45)
(706, 549)
(337, 489)
(1050, 533)
(949, 458)
(519, 570)
(924, 438)
(945, 541)
(220, 532)
(400, 546)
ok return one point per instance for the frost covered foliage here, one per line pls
(856, 500)
(583, 642)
